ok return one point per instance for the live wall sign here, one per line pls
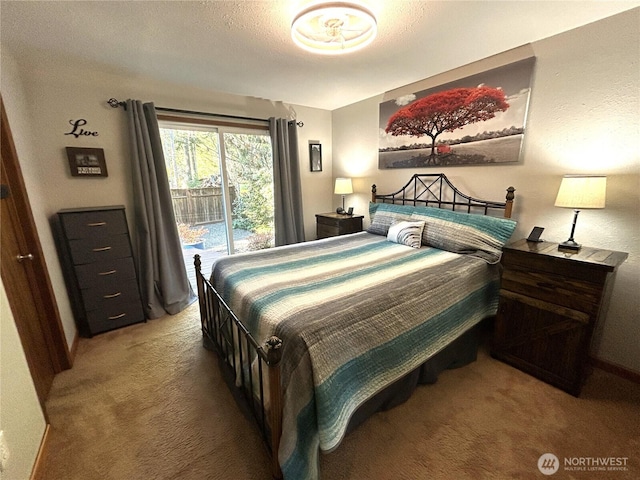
(77, 130)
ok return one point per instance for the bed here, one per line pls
(319, 335)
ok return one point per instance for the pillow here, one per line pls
(386, 214)
(479, 235)
(406, 233)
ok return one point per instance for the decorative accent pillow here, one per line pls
(479, 235)
(406, 233)
(386, 214)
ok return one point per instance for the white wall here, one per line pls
(583, 118)
(43, 94)
(21, 417)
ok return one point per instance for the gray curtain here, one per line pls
(164, 284)
(288, 219)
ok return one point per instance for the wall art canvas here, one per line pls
(477, 120)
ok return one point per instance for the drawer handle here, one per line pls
(115, 317)
(110, 272)
(113, 295)
(96, 224)
(101, 249)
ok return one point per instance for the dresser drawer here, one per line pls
(89, 250)
(569, 292)
(94, 224)
(115, 270)
(109, 293)
(114, 316)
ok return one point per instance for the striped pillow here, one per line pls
(406, 233)
(479, 235)
(386, 214)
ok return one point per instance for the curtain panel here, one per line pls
(288, 218)
(164, 284)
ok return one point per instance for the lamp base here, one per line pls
(569, 246)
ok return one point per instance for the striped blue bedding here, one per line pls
(355, 313)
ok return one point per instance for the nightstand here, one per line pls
(333, 224)
(550, 304)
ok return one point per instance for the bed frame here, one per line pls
(223, 332)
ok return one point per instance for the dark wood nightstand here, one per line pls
(333, 224)
(550, 303)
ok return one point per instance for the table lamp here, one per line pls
(343, 187)
(577, 192)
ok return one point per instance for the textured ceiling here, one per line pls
(244, 47)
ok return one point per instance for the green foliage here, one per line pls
(250, 167)
(192, 160)
(189, 156)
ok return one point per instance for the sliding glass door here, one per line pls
(221, 181)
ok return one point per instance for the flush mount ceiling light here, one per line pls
(333, 28)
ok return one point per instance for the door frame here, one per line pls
(48, 321)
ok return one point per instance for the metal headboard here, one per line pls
(435, 190)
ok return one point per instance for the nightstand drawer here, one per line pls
(323, 231)
(333, 224)
(330, 221)
(568, 292)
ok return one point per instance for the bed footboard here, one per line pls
(246, 360)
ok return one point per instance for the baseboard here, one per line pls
(616, 370)
(74, 348)
(38, 469)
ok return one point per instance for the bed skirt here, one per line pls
(459, 353)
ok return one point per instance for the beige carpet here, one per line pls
(147, 402)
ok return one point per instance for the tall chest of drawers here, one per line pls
(95, 250)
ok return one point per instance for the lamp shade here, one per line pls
(582, 191)
(343, 186)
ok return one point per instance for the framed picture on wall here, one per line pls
(315, 157)
(87, 162)
(475, 120)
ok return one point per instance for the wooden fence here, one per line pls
(194, 206)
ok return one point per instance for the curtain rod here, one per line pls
(115, 104)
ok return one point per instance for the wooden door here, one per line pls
(25, 276)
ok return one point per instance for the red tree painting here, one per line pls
(447, 111)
